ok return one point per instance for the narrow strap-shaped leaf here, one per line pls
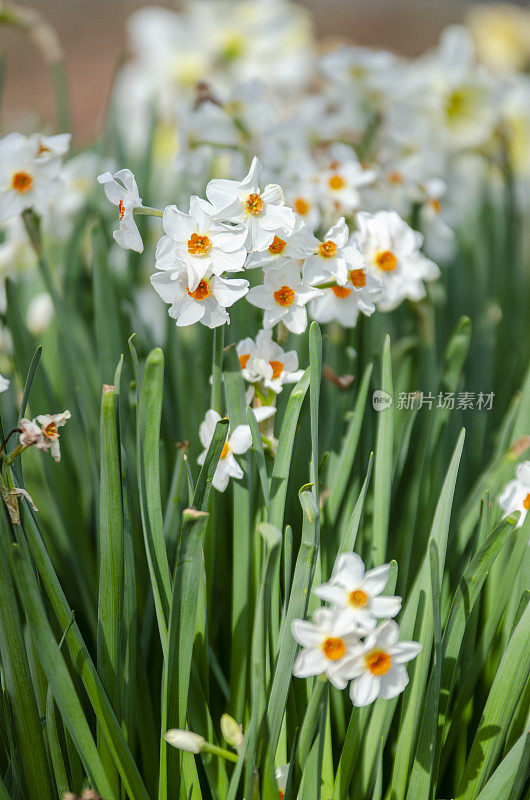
(58, 676)
(189, 566)
(17, 683)
(282, 462)
(148, 426)
(111, 566)
(297, 608)
(257, 449)
(340, 474)
(349, 537)
(504, 695)
(508, 780)
(383, 463)
(204, 481)
(56, 754)
(29, 381)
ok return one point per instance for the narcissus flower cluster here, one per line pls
(346, 643)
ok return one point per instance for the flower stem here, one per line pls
(207, 747)
(147, 211)
(217, 369)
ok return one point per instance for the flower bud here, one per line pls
(232, 732)
(184, 740)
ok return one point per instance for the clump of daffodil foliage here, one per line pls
(276, 543)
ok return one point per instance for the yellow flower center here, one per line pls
(358, 598)
(358, 277)
(202, 292)
(386, 261)
(243, 360)
(254, 204)
(277, 246)
(436, 205)
(395, 177)
(301, 206)
(336, 182)
(22, 182)
(284, 296)
(51, 431)
(378, 662)
(198, 245)
(277, 369)
(327, 249)
(334, 648)
(526, 502)
(340, 291)
(225, 450)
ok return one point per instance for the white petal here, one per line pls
(376, 579)
(305, 633)
(365, 689)
(393, 682)
(309, 662)
(404, 651)
(241, 439)
(383, 607)
(348, 570)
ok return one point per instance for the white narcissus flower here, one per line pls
(263, 212)
(329, 643)
(391, 252)
(236, 443)
(377, 668)
(121, 189)
(516, 494)
(355, 594)
(199, 243)
(283, 296)
(184, 740)
(340, 184)
(343, 303)
(284, 248)
(4, 384)
(264, 360)
(206, 304)
(27, 178)
(43, 432)
(332, 258)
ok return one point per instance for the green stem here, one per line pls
(219, 751)
(147, 211)
(216, 401)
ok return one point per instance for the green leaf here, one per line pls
(507, 687)
(383, 463)
(508, 780)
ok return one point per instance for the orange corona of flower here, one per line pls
(51, 431)
(254, 204)
(22, 182)
(202, 292)
(301, 206)
(327, 249)
(277, 369)
(358, 277)
(225, 450)
(284, 296)
(336, 182)
(395, 177)
(334, 648)
(341, 292)
(277, 246)
(358, 598)
(121, 210)
(198, 245)
(243, 360)
(378, 662)
(526, 502)
(386, 261)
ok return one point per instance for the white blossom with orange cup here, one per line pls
(391, 253)
(265, 361)
(264, 213)
(329, 644)
(207, 303)
(516, 494)
(283, 296)
(357, 594)
(378, 667)
(344, 303)
(199, 243)
(121, 189)
(43, 432)
(28, 179)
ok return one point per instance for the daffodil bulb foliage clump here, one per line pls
(265, 418)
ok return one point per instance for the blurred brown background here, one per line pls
(92, 36)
